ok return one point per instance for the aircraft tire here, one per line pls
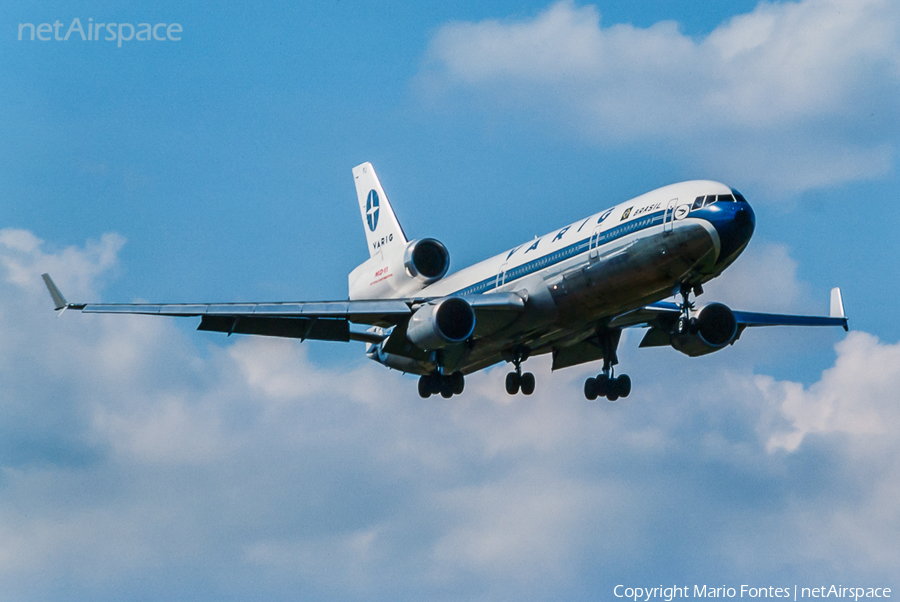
(512, 383)
(612, 389)
(458, 382)
(590, 389)
(424, 387)
(624, 385)
(603, 385)
(527, 383)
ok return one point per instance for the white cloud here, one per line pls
(858, 396)
(131, 453)
(794, 95)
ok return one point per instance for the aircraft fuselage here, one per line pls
(576, 278)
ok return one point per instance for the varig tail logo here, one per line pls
(372, 210)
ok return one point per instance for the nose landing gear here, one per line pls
(686, 323)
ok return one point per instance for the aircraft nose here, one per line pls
(735, 230)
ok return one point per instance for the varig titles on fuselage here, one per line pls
(555, 237)
(382, 241)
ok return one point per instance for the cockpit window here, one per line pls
(738, 196)
(710, 199)
(726, 198)
(698, 203)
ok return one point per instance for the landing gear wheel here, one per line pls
(526, 381)
(603, 385)
(457, 382)
(590, 389)
(624, 385)
(612, 393)
(512, 383)
(424, 387)
(445, 385)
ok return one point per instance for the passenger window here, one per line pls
(698, 203)
(710, 199)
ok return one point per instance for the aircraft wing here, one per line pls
(661, 316)
(645, 316)
(318, 320)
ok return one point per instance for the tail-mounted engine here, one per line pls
(712, 328)
(422, 262)
(441, 323)
(426, 260)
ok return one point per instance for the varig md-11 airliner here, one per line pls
(568, 293)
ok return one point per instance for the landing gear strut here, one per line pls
(686, 323)
(606, 384)
(447, 385)
(516, 381)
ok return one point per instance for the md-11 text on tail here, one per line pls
(568, 293)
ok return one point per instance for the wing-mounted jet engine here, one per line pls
(441, 323)
(709, 328)
(712, 328)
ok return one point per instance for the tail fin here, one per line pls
(383, 231)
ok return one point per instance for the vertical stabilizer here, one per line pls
(383, 231)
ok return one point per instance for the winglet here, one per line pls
(837, 306)
(59, 302)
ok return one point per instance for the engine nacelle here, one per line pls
(422, 262)
(713, 328)
(426, 260)
(441, 323)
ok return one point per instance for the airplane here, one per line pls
(568, 293)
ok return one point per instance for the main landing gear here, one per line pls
(606, 384)
(516, 381)
(447, 385)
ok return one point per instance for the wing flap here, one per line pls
(321, 329)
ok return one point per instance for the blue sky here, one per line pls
(141, 459)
